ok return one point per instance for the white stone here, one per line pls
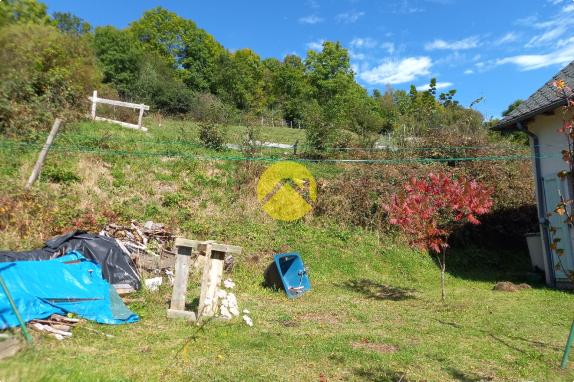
(224, 312)
(245, 311)
(248, 320)
(229, 284)
(221, 293)
(153, 284)
(234, 310)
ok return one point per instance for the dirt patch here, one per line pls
(377, 347)
(507, 286)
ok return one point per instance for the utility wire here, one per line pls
(88, 150)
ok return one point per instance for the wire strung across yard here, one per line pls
(188, 143)
(191, 156)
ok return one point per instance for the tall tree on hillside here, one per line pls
(184, 46)
(294, 88)
(241, 80)
(329, 70)
(23, 12)
(119, 55)
(70, 23)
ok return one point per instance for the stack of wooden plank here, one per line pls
(57, 326)
(147, 244)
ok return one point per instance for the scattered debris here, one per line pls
(507, 286)
(56, 326)
(148, 245)
(154, 284)
(248, 320)
(228, 307)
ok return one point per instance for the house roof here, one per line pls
(545, 99)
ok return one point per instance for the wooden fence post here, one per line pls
(94, 103)
(141, 116)
(43, 154)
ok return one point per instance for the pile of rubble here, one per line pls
(228, 307)
(149, 245)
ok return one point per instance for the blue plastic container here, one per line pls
(293, 274)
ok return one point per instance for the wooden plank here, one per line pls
(119, 103)
(124, 124)
(43, 154)
(94, 104)
(140, 118)
(179, 293)
(182, 242)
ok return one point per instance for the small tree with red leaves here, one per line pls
(428, 210)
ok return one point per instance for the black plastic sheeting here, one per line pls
(117, 266)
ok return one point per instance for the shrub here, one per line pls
(212, 135)
(429, 208)
(60, 175)
(44, 74)
(206, 107)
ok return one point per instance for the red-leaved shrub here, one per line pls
(429, 208)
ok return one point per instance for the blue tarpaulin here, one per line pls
(68, 284)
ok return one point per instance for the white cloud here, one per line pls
(537, 61)
(311, 19)
(392, 72)
(467, 43)
(315, 45)
(439, 85)
(552, 29)
(507, 39)
(555, 2)
(469, 71)
(349, 17)
(367, 43)
(389, 47)
(357, 56)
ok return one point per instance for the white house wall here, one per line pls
(551, 144)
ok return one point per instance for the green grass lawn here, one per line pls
(374, 312)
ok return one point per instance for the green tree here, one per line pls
(241, 80)
(120, 57)
(512, 107)
(69, 23)
(293, 89)
(23, 12)
(329, 71)
(184, 46)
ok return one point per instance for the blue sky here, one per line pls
(501, 50)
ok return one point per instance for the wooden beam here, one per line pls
(124, 124)
(94, 104)
(119, 103)
(43, 154)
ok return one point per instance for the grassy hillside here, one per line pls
(374, 312)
